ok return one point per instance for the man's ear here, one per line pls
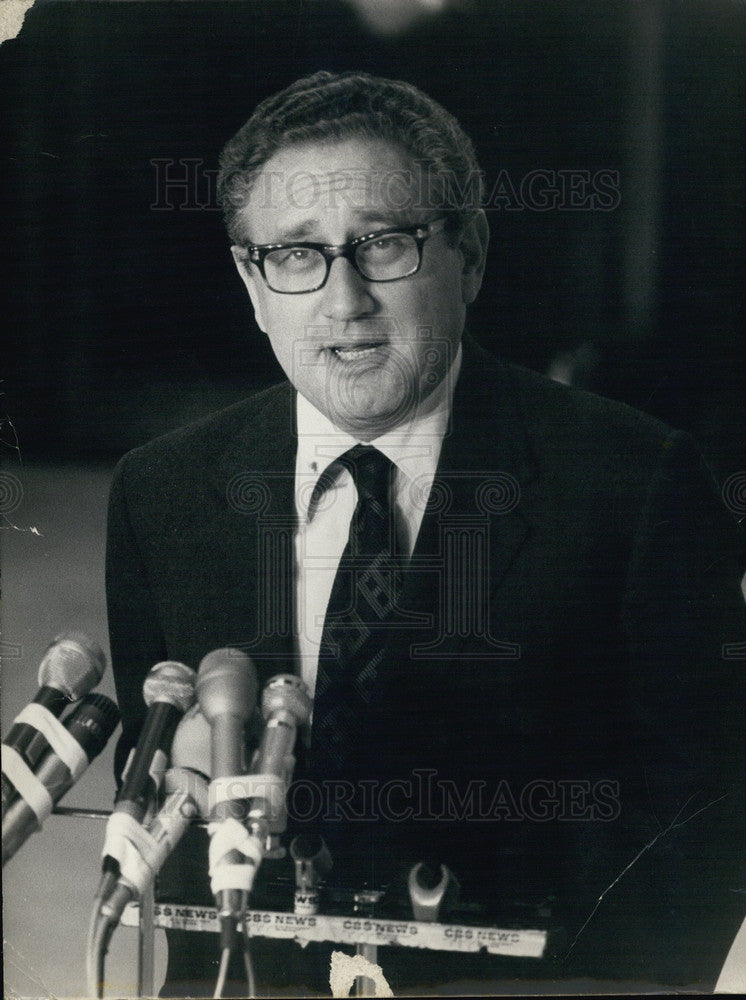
(251, 279)
(473, 243)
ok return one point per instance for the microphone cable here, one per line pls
(100, 932)
(248, 962)
(225, 957)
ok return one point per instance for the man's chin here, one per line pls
(363, 401)
(369, 423)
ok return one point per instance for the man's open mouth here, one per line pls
(354, 352)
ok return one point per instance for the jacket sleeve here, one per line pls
(684, 617)
(670, 908)
(135, 635)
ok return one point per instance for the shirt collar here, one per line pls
(413, 447)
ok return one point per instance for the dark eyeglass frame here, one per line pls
(421, 232)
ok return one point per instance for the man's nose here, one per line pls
(346, 293)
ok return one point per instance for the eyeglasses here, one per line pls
(388, 255)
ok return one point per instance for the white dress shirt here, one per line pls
(321, 535)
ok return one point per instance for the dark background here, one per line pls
(123, 320)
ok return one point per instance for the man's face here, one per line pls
(366, 354)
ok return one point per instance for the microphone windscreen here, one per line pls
(287, 693)
(172, 683)
(226, 685)
(73, 664)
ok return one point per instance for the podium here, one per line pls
(361, 926)
(364, 933)
(360, 931)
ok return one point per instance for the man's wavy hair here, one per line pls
(335, 106)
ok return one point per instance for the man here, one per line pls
(513, 601)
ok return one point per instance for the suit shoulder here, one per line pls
(583, 438)
(200, 443)
(557, 409)
(554, 407)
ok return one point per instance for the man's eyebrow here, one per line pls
(389, 219)
(302, 231)
(368, 222)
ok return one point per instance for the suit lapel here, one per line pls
(477, 515)
(477, 519)
(255, 484)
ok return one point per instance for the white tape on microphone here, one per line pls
(140, 851)
(129, 843)
(33, 792)
(62, 742)
(229, 835)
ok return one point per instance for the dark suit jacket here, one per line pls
(562, 705)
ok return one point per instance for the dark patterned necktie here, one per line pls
(363, 596)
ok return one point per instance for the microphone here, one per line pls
(186, 799)
(430, 889)
(185, 785)
(313, 862)
(286, 705)
(191, 743)
(168, 692)
(226, 691)
(71, 666)
(88, 728)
